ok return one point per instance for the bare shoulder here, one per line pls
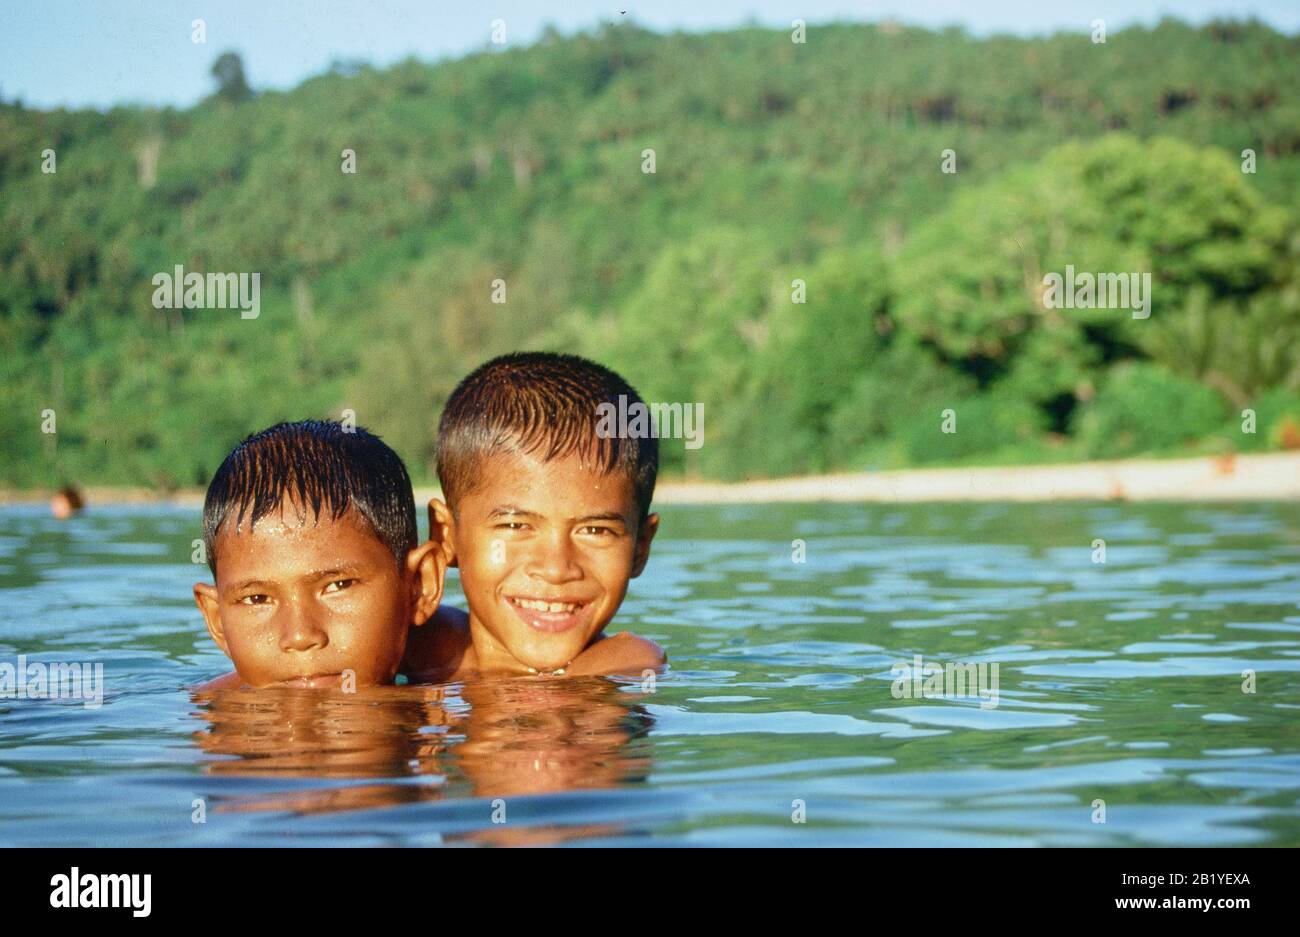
(439, 649)
(616, 654)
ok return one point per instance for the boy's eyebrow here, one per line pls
(511, 510)
(607, 516)
(503, 509)
(349, 569)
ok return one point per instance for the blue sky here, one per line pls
(71, 53)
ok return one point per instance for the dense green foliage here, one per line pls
(775, 162)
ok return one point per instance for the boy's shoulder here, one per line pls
(439, 649)
(621, 653)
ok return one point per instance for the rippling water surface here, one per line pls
(1121, 697)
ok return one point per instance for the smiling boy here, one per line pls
(310, 533)
(546, 518)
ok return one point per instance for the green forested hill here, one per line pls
(773, 162)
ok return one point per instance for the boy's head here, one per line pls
(546, 518)
(310, 533)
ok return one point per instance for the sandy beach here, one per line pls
(1241, 477)
(1270, 476)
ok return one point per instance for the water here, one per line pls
(1120, 683)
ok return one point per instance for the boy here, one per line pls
(546, 519)
(310, 534)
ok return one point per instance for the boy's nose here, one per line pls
(299, 631)
(554, 561)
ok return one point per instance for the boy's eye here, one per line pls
(255, 599)
(338, 585)
(511, 525)
(598, 531)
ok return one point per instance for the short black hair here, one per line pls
(540, 402)
(318, 465)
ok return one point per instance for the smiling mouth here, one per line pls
(546, 615)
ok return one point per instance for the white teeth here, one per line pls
(539, 606)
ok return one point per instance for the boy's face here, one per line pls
(299, 600)
(545, 551)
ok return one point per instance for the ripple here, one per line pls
(1120, 681)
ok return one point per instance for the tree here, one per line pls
(228, 69)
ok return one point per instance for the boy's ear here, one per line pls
(645, 533)
(441, 529)
(205, 596)
(427, 566)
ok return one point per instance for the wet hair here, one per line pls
(317, 465)
(73, 497)
(545, 404)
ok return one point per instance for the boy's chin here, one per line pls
(549, 656)
(355, 679)
(547, 643)
(330, 681)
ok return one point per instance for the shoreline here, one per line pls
(1257, 477)
(1261, 477)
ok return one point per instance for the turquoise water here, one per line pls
(1120, 690)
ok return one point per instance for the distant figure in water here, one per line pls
(66, 502)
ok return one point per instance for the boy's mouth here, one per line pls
(318, 681)
(546, 615)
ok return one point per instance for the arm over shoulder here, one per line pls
(623, 653)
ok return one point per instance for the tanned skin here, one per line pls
(300, 600)
(531, 531)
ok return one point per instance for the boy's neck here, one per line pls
(440, 650)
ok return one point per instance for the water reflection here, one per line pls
(1128, 681)
(491, 739)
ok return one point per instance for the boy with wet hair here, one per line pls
(310, 534)
(547, 519)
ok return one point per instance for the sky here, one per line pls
(73, 53)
